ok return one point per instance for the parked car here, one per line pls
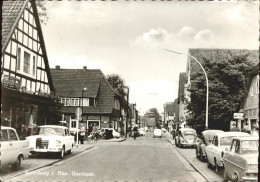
(157, 133)
(114, 132)
(221, 143)
(240, 161)
(142, 131)
(12, 149)
(185, 137)
(164, 130)
(205, 139)
(51, 139)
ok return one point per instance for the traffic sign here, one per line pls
(78, 112)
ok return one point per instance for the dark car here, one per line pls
(205, 139)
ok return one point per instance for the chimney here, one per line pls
(57, 67)
(84, 67)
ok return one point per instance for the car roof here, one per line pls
(232, 133)
(186, 129)
(53, 126)
(211, 132)
(7, 127)
(243, 138)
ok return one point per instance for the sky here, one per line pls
(129, 38)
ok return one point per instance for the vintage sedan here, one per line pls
(12, 149)
(240, 161)
(51, 139)
(157, 133)
(205, 139)
(220, 144)
(185, 137)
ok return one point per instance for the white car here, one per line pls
(220, 144)
(142, 131)
(12, 149)
(51, 139)
(114, 132)
(157, 133)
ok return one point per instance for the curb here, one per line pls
(197, 169)
(119, 140)
(45, 165)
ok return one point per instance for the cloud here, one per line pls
(158, 34)
(204, 35)
(186, 33)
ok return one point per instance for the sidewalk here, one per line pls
(34, 163)
(120, 139)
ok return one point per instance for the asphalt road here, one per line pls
(143, 159)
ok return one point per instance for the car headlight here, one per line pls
(58, 142)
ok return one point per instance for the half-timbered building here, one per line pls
(27, 97)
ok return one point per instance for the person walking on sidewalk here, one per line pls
(82, 133)
(95, 132)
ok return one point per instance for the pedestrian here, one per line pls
(82, 133)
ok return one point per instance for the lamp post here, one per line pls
(207, 81)
(84, 89)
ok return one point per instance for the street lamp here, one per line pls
(84, 90)
(207, 81)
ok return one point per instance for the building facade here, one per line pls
(250, 104)
(87, 97)
(27, 92)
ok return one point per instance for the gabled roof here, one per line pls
(11, 13)
(70, 82)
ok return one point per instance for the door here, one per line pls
(5, 148)
(15, 145)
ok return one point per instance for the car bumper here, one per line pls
(249, 179)
(45, 150)
(188, 144)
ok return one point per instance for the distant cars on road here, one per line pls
(220, 144)
(114, 132)
(157, 133)
(142, 131)
(205, 139)
(12, 149)
(241, 161)
(185, 137)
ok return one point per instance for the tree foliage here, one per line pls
(42, 11)
(227, 85)
(118, 84)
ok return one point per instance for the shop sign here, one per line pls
(239, 115)
(11, 82)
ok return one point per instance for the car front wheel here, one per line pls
(62, 153)
(17, 163)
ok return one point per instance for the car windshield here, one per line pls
(250, 146)
(225, 141)
(50, 131)
(185, 133)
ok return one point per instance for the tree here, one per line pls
(153, 113)
(227, 85)
(42, 11)
(118, 84)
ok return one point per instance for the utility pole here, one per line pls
(127, 114)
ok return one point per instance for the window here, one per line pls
(34, 66)
(74, 102)
(117, 104)
(233, 146)
(252, 90)
(85, 102)
(26, 64)
(65, 101)
(3, 135)
(12, 135)
(18, 58)
(257, 84)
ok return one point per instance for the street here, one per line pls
(143, 159)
